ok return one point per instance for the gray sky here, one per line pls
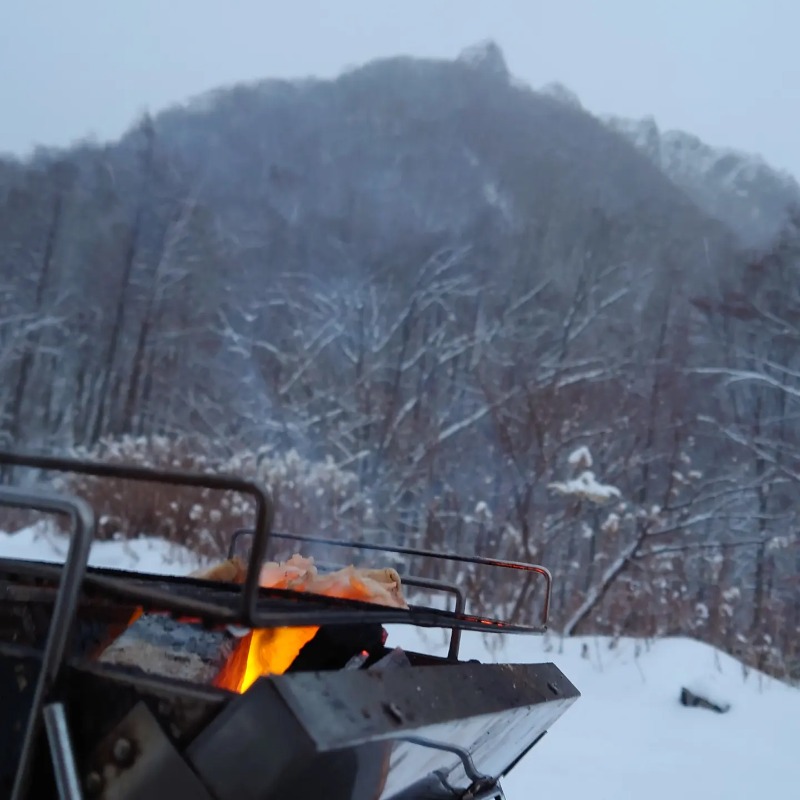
(726, 70)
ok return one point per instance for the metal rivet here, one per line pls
(94, 783)
(393, 711)
(122, 752)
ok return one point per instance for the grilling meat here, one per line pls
(232, 570)
(379, 586)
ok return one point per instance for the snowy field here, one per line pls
(626, 737)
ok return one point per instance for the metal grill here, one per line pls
(76, 602)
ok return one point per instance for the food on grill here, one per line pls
(380, 586)
(300, 574)
(232, 570)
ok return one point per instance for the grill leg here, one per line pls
(55, 721)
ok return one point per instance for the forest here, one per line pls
(428, 305)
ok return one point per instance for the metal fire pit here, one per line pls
(108, 709)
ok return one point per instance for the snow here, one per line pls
(580, 457)
(146, 554)
(483, 511)
(587, 486)
(611, 524)
(627, 736)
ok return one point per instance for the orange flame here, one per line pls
(267, 651)
(272, 651)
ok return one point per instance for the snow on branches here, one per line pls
(585, 485)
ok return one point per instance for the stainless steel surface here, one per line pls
(58, 737)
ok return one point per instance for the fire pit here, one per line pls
(128, 686)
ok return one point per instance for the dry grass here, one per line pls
(308, 495)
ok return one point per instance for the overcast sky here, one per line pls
(727, 70)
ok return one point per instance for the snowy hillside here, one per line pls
(626, 737)
(738, 188)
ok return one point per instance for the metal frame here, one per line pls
(264, 509)
(251, 605)
(256, 610)
(82, 521)
(535, 569)
(460, 604)
(480, 782)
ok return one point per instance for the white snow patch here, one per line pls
(611, 524)
(588, 487)
(581, 457)
(147, 554)
(710, 686)
(498, 199)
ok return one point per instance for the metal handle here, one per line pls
(534, 569)
(264, 509)
(82, 521)
(460, 604)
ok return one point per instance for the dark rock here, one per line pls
(694, 700)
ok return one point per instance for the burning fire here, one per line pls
(268, 651)
(271, 651)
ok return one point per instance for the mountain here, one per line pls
(403, 153)
(195, 217)
(740, 189)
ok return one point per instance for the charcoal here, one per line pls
(334, 645)
(159, 645)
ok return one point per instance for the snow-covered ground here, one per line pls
(147, 554)
(626, 737)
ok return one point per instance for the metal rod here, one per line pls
(296, 608)
(251, 614)
(66, 772)
(491, 793)
(413, 551)
(264, 509)
(460, 606)
(477, 778)
(303, 609)
(82, 523)
(426, 583)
